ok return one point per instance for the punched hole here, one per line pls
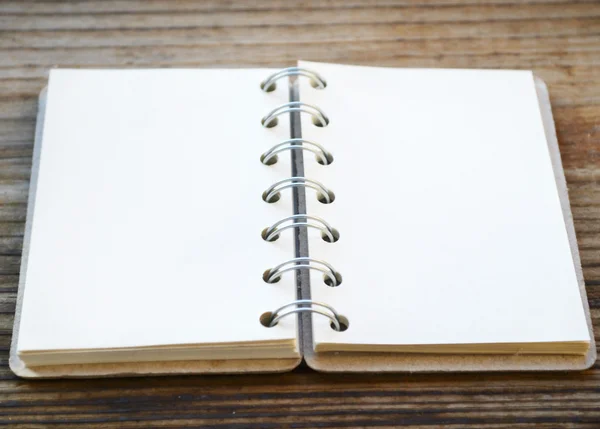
(329, 282)
(322, 199)
(271, 87)
(328, 156)
(271, 124)
(266, 317)
(266, 275)
(334, 232)
(273, 199)
(316, 85)
(263, 234)
(343, 321)
(271, 161)
(318, 123)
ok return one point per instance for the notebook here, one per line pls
(242, 220)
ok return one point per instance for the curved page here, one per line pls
(452, 237)
(145, 237)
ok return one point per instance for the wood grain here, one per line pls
(558, 39)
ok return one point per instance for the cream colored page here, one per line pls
(450, 223)
(148, 211)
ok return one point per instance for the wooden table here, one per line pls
(558, 39)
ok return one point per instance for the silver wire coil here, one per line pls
(316, 80)
(272, 233)
(333, 315)
(323, 156)
(270, 119)
(272, 275)
(296, 182)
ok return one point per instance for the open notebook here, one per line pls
(366, 219)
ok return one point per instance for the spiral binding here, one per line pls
(316, 81)
(324, 195)
(331, 313)
(270, 119)
(271, 194)
(273, 275)
(323, 156)
(272, 233)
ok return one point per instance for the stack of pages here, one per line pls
(364, 219)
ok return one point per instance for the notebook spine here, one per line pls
(273, 193)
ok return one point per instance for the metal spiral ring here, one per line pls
(323, 155)
(316, 80)
(295, 182)
(269, 120)
(332, 314)
(325, 268)
(274, 230)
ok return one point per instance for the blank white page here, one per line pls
(451, 229)
(148, 212)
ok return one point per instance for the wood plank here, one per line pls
(494, 53)
(374, 32)
(9, 283)
(11, 246)
(256, 18)
(85, 7)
